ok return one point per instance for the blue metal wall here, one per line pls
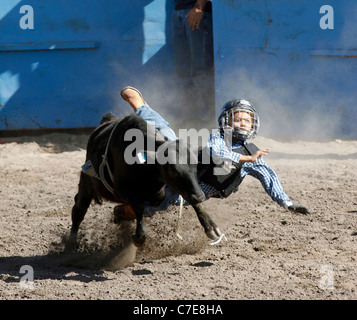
(68, 70)
(302, 78)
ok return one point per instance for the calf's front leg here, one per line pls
(211, 229)
(82, 201)
(140, 233)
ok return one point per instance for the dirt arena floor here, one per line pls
(270, 253)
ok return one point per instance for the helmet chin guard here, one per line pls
(240, 118)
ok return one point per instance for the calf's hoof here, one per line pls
(214, 234)
(70, 242)
(138, 242)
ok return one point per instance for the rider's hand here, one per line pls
(259, 154)
(254, 157)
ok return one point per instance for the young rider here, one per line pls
(232, 157)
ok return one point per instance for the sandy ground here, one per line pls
(270, 253)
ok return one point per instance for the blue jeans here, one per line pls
(193, 60)
(192, 49)
(155, 119)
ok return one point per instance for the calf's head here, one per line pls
(180, 170)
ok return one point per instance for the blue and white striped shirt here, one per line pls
(259, 169)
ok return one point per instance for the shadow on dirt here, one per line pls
(47, 267)
(83, 263)
(79, 266)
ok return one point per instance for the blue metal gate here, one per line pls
(279, 54)
(67, 70)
